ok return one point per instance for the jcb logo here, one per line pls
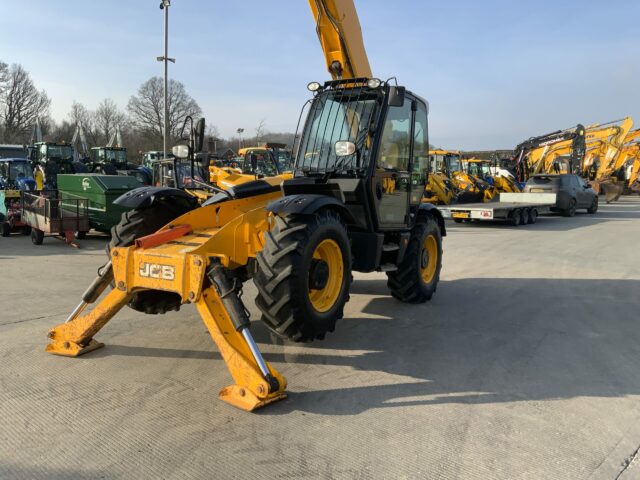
(155, 270)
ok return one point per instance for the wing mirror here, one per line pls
(396, 96)
(199, 135)
(344, 148)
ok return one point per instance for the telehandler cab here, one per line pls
(353, 204)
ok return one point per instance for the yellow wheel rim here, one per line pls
(323, 299)
(428, 259)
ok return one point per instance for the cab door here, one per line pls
(392, 179)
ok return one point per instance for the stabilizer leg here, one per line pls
(252, 389)
(75, 336)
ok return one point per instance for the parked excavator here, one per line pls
(601, 162)
(529, 155)
(354, 203)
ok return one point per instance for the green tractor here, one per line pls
(113, 161)
(54, 158)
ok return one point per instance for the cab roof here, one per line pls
(24, 160)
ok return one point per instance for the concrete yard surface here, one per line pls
(523, 366)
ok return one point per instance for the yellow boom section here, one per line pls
(340, 36)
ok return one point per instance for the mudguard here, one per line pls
(307, 204)
(144, 197)
(430, 209)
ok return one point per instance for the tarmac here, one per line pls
(523, 366)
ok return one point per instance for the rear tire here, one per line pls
(418, 273)
(6, 229)
(594, 206)
(525, 216)
(571, 210)
(37, 236)
(533, 215)
(304, 273)
(138, 223)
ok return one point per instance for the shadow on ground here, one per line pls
(517, 340)
(510, 340)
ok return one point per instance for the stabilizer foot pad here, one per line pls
(72, 349)
(244, 399)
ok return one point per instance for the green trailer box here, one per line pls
(100, 191)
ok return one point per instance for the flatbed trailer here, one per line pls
(514, 208)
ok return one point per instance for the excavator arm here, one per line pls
(340, 37)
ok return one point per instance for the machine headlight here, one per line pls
(374, 82)
(313, 86)
(344, 148)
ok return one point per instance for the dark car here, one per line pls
(571, 190)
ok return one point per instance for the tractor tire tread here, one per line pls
(405, 283)
(279, 270)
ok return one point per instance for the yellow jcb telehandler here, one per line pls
(353, 204)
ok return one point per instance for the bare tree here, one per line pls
(147, 107)
(260, 130)
(20, 104)
(4, 77)
(106, 118)
(79, 114)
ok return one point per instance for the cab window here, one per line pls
(421, 141)
(396, 139)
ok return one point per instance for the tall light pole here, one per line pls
(240, 131)
(164, 5)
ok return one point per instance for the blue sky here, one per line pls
(494, 72)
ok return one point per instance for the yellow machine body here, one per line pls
(223, 235)
(231, 232)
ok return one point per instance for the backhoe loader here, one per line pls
(439, 189)
(467, 188)
(354, 203)
(484, 170)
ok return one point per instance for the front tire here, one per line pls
(594, 206)
(418, 273)
(304, 273)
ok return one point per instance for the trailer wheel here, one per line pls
(457, 220)
(516, 217)
(6, 229)
(533, 215)
(81, 235)
(37, 236)
(138, 223)
(525, 216)
(304, 273)
(418, 273)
